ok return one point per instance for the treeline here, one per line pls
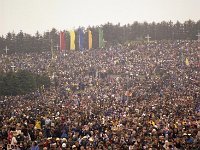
(22, 82)
(23, 42)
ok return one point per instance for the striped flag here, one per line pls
(72, 40)
(89, 39)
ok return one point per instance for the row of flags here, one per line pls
(80, 37)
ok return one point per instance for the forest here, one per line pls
(22, 82)
(113, 34)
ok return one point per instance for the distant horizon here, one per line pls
(36, 15)
(74, 28)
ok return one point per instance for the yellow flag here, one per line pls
(72, 40)
(89, 39)
(187, 62)
(38, 124)
(153, 123)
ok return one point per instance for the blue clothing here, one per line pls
(35, 147)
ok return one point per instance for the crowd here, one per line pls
(142, 96)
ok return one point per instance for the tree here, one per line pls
(113, 34)
(2, 43)
(21, 82)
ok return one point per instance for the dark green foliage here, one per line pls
(22, 42)
(21, 82)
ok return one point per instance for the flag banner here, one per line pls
(89, 39)
(101, 40)
(62, 41)
(72, 40)
(81, 39)
(187, 62)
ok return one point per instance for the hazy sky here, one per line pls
(42, 15)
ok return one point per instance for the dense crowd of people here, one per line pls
(143, 96)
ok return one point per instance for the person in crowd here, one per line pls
(138, 97)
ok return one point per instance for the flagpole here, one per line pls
(79, 39)
(51, 49)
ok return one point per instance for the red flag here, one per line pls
(62, 41)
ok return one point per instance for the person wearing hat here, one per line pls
(64, 140)
(74, 147)
(58, 143)
(53, 146)
(64, 145)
